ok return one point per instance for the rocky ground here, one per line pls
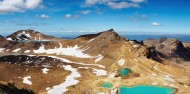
(52, 65)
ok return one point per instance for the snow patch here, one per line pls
(91, 40)
(27, 35)
(26, 80)
(16, 50)
(60, 45)
(113, 91)
(47, 65)
(112, 75)
(168, 78)
(10, 39)
(136, 46)
(99, 58)
(27, 51)
(40, 50)
(132, 42)
(99, 72)
(69, 81)
(86, 48)
(68, 61)
(45, 70)
(70, 51)
(121, 62)
(163, 43)
(2, 49)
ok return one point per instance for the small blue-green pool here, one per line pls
(146, 89)
(124, 71)
(106, 85)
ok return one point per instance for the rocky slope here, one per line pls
(69, 65)
(169, 49)
(2, 41)
(2, 38)
(28, 35)
(12, 89)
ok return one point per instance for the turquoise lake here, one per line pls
(124, 71)
(146, 89)
(106, 85)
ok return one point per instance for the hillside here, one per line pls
(80, 65)
(22, 35)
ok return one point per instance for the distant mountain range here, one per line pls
(131, 36)
(141, 37)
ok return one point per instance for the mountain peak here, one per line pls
(109, 35)
(109, 31)
(26, 35)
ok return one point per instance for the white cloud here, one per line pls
(7, 6)
(122, 5)
(43, 16)
(85, 12)
(138, 1)
(90, 2)
(115, 4)
(68, 15)
(93, 2)
(31, 4)
(156, 24)
(71, 16)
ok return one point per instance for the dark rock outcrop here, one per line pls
(172, 49)
(12, 89)
(151, 53)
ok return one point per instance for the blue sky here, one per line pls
(61, 16)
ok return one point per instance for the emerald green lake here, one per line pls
(146, 89)
(106, 85)
(124, 71)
